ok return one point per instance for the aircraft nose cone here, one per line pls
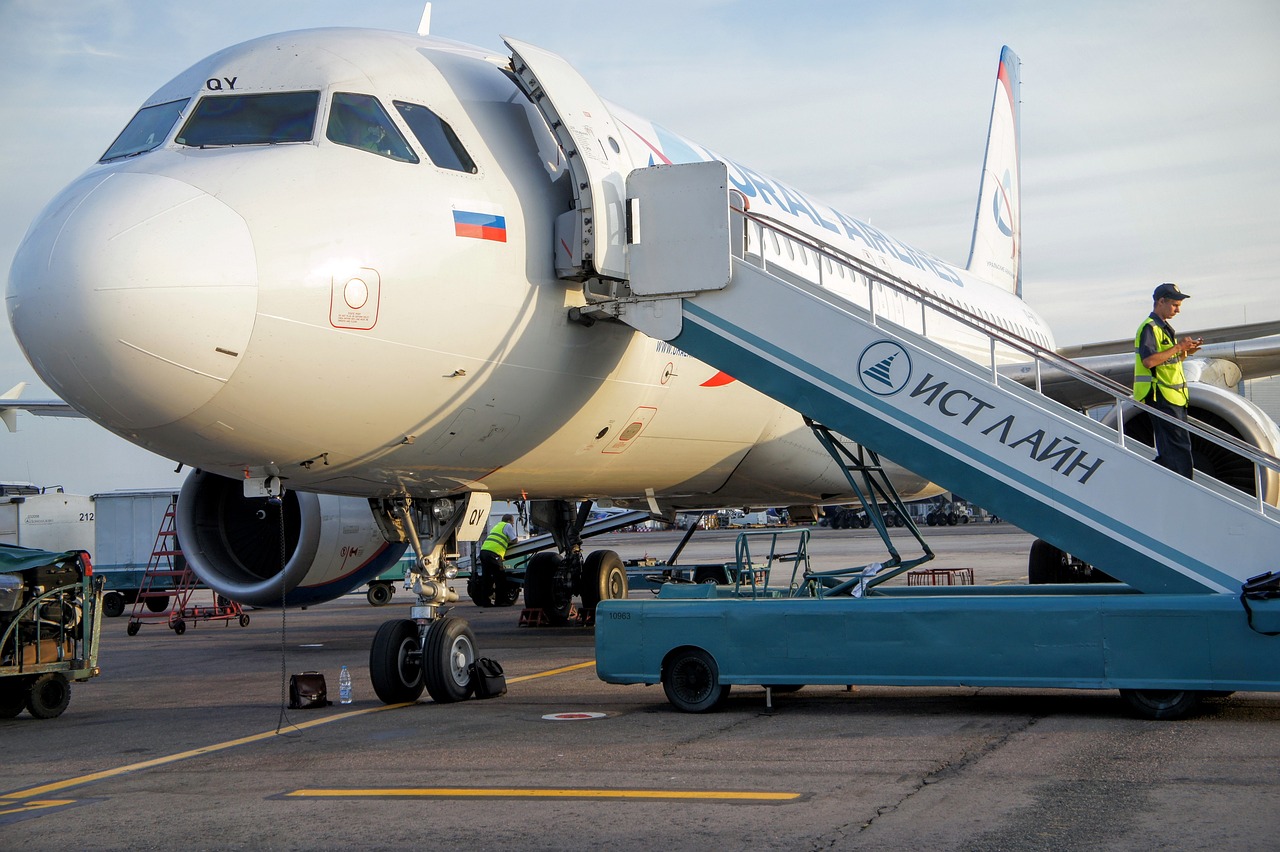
(133, 296)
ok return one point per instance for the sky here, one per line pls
(1150, 134)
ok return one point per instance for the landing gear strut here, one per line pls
(551, 580)
(429, 649)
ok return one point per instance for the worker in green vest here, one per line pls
(1158, 379)
(494, 548)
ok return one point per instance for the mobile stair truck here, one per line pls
(50, 622)
(842, 341)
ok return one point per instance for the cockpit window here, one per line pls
(263, 119)
(360, 121)
(146, 130)
(437, 137)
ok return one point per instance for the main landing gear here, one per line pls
(429, 649)
(552, 579)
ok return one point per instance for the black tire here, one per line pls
(480, 591)
(1044, 564)
(179, 627)
(604, 578)
(132, 629)
(244, 619)
(446, 662)
(157, 604)
(507, 594)
(691, 680)
(113, 604)
(544, 590)
(395, 662)
(49, 695)
(1161, 703)
(380, 594)
(710, 576)
(13, 696)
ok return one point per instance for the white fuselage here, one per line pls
(315, 311)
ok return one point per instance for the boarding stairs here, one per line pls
(843, 340)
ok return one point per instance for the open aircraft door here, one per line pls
(591, 239)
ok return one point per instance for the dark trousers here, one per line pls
(1173, 443)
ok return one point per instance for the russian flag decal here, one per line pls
(480, 226)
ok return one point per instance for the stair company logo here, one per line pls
(884, 368)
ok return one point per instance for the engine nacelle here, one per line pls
(234, 544)
(1232, 413)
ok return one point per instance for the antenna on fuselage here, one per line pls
(424, 26)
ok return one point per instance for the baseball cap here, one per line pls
(1169, 291)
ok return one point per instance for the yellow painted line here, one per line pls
(56, 786)
(9, 808)
(540, 793)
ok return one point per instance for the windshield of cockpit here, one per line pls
(260, 119)
(146, 130)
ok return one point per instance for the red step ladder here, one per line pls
(168, 583)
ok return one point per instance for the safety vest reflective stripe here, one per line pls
(499, 539)
(1168, 377)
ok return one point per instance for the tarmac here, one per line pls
(184, 742)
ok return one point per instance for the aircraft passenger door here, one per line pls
(598, 159)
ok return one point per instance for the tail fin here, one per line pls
(996, 251)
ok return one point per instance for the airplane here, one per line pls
(348, 277)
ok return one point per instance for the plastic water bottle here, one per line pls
(344, 686)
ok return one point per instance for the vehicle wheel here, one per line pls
(13, 696)
(157, 604)
(480, 591)
(395, 662)
(710, 576)
(1161, 703)
(544, 590)
(864, 521)
(49, 695)
(132, 629)
(244, 619)
(691, 680)
(446, 662)
(113, 605)
(179, 627)
(604, 578)
(1044, 564)
(380, 594)
(507, 594)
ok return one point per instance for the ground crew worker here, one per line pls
(492, 551)
(1158, 379)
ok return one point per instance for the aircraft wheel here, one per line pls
(543, 589)
(49, 695)
(13, 696)
(1161, 703)
(157, 604)
(113, 605)
(1044, 564)
(691, 680)
(380, 594)
(604, 578)
(447, 659)
(395, 662)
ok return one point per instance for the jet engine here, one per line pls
(296, 550)
(1232, 413)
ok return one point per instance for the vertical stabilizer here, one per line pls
(996, 251)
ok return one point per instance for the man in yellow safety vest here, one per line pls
(1158, 379)
(492, 578)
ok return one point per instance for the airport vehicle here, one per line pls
(50, 619)
(306, 207)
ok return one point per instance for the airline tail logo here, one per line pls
(884, 368)
(1000, 204)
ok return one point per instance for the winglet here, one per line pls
(424, 25)
(996, 251)
(10, 415)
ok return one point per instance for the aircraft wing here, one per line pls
(11, 404)
(1254, 356)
